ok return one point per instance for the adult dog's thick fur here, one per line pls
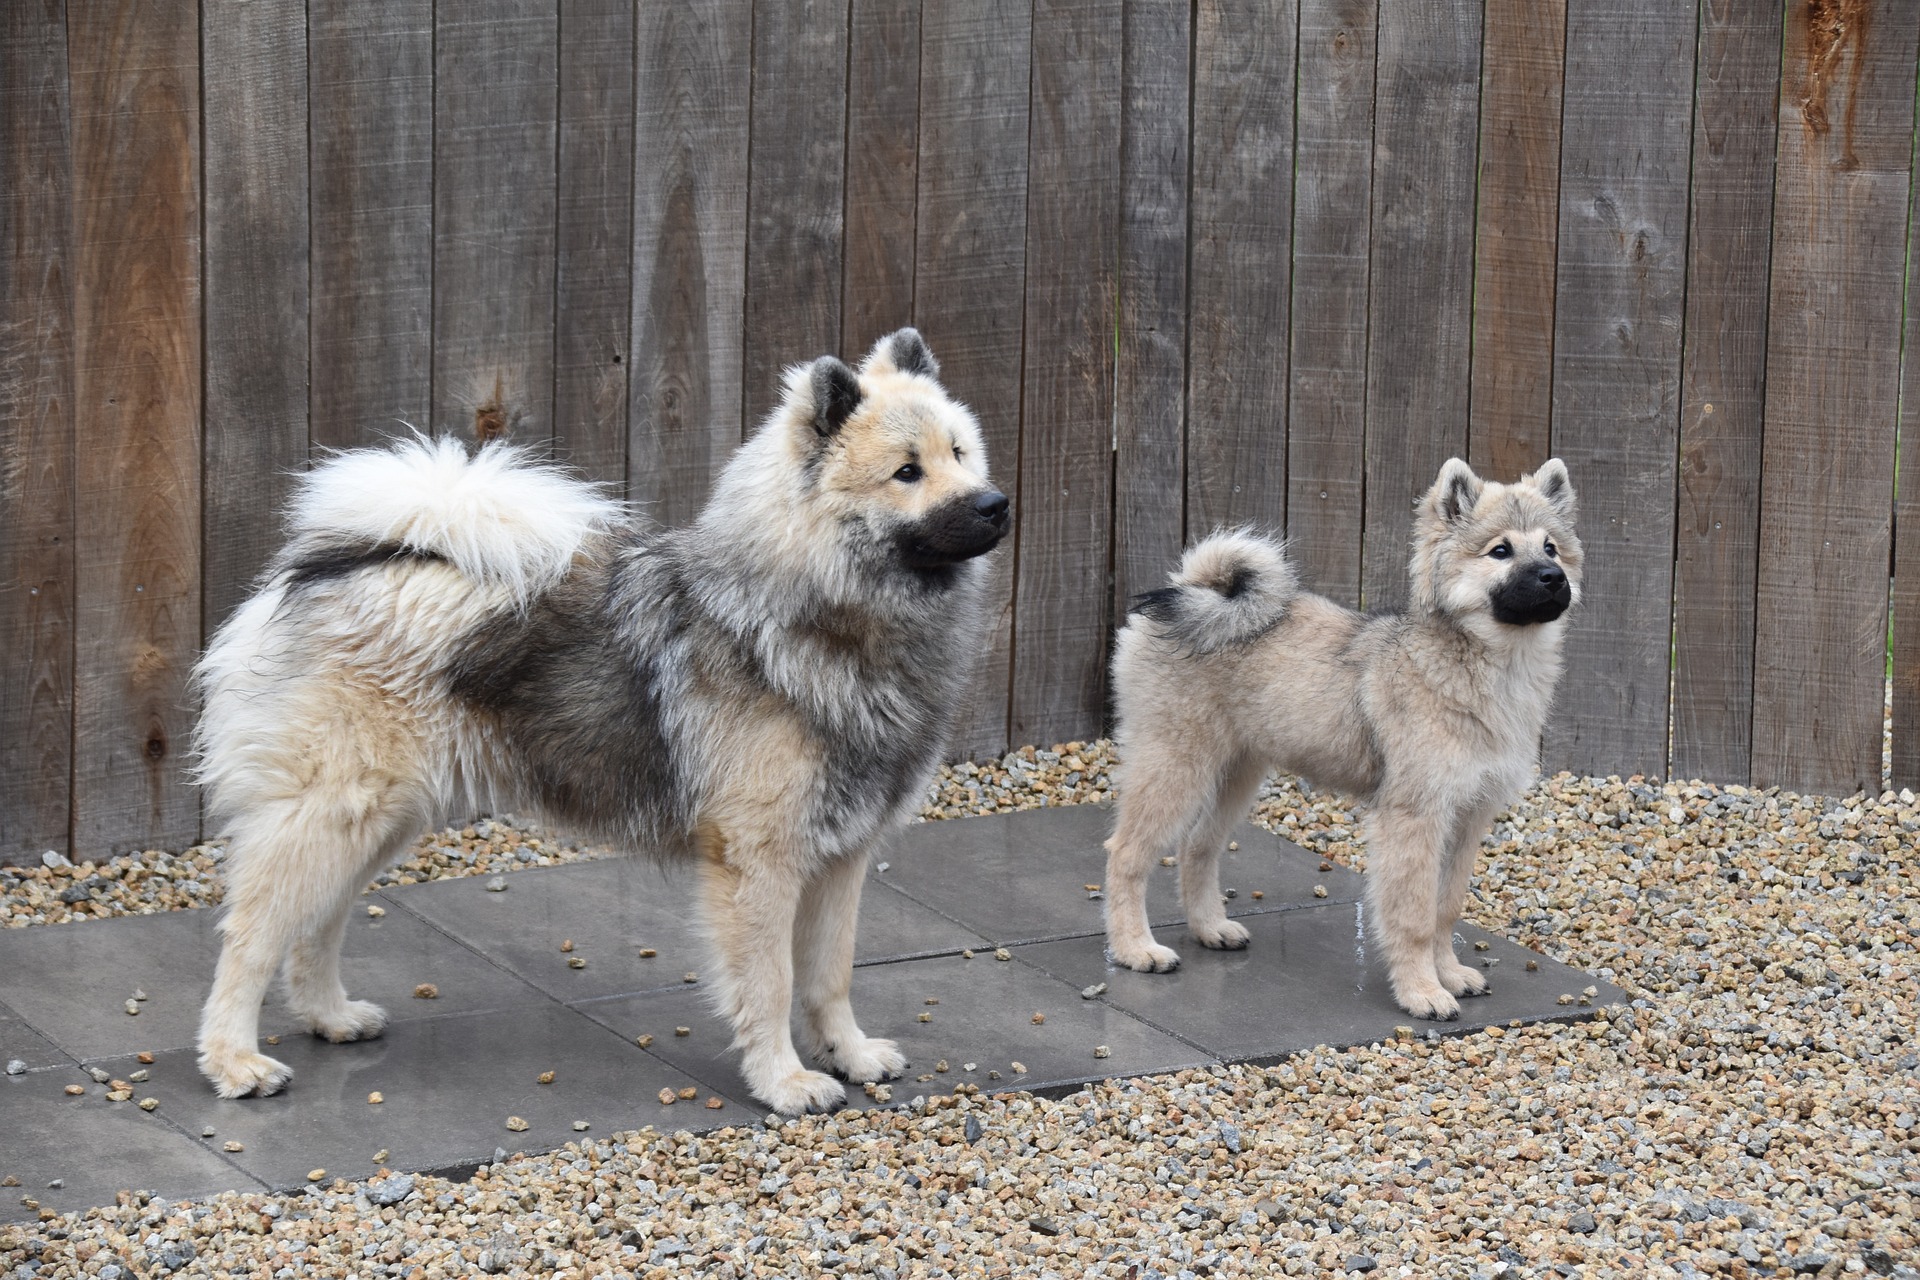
(763, 694)
(1432, 716)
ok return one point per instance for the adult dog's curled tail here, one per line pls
(1229, 589)
(498, 515)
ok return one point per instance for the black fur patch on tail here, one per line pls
(327, 563)
(1161, 605)
(1242, 579)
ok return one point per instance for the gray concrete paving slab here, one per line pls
(19, 1042)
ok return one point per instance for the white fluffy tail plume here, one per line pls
(1229, 588)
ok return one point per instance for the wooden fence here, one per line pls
(1263, 261)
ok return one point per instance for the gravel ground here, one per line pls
(1752, 1113)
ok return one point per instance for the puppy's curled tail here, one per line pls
(1229, 589)
(498, 515)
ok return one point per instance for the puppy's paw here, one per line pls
(1429, 1001)
(1227, 935)
(353, 1020)
(866, 1060)
(1148, 958)
(236, 1074)
(802, 1091)
(1462, 981)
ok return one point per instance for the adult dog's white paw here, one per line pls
(352, 1020)
(1227, 935)
(1149, 957)
(867, 1060)
(800, 1092)
(240, 1073)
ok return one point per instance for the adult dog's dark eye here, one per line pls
(957, 455)
(1552, 554)
(909, 474)
(1503, 551)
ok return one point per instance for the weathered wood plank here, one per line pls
(135, 77)
(36, 431)
(1523, 68)
(883, 141)
(1736, 100)
(1332, 194)
(1242, 201)
(1833, 348)
(796, 191)
(1905, 674)
(970, 273)
(1616, 379)
(1150, 378)
(255, 106)
(689, 250)
(496, 68)
(1066, 458)
(1420, 286)
(593, 282)
(370, 84)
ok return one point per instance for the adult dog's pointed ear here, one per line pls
(902, 351)
(836, 394)
(1455, 494)
(1554, 485)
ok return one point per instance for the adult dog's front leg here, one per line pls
(751, 889)
(823, 968)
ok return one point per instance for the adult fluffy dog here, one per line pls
(764, 693)
(1432, 716)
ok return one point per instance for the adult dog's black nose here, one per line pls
(992, 506)
(1553, 577)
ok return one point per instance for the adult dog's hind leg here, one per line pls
(823, 943)
(751, 890)
(314, 989)
(1200, 858)
(1407, 847)
(1455, 878)
(1160, 796)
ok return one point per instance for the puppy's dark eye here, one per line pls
(1552, 553)
(1504, 551)
(909, 474)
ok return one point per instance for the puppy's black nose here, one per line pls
(992, 506)
(1552, 576)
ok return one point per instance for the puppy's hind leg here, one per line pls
(1408, 847)
(1160, 797)
(823, 971)
(1200, 858)
(1454, 881)
(751, 889)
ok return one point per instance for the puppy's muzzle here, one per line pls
(1536, 593)
(959, 529)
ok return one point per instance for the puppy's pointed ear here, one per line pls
(836, 394)
(902, 351)
(1552, 482)
(1455, 494)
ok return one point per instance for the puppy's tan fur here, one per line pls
(1433, 717)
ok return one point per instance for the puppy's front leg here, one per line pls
(751, 887)
(1408, 845)
(823, 966)
(1454, 880)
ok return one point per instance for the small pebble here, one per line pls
(147, 1104)
(119, 1095)
(967, 954)
(714, 1104)
(375, 1098)
(100, 1074)
(579, 1126)
(1482, 946)
(140, 1077)
(1037, 1019)
(497, 885)
(1533, 966)
(683, 1032)
(375, 910)
(1320, 891)
(1102, 1051)
(273, 1039)
(380, 1156)
(233, 1146)
(133, 1007)
(1001, 953)
(139, 995)
(931, 1000)
(1168, 861)
(1093, 992)
(1258, 894)
(1019, 1068)
(941, 1066)
(1326, 866)
(56, 1184)
(314, 1175)
(516, 1124)
(576, 962)
(1233, 844)
(546, 1077)
(207, 1132)
(143, 1057)
(75, 1090)
(426, 991)
(666, 1097)
(925, 1017)
(689, 1093)
(969, 1066)
(689, 977)
(648, 953)
(567, 945)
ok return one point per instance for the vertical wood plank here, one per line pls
(970, 273)
(883, 141)
(496, 68)
(36, 431)
(255, 102)
(1616, 379)
(689, 249)
(1723, 385)
(1513, 274)
(796, 189)
(1332, 194)
(1150, 379)
(1833, 348)
(1420, 284)
(1905, 602)
(134, 72)
(1066, 455)
(370, 130)
(593, 282)
(1243, 68)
